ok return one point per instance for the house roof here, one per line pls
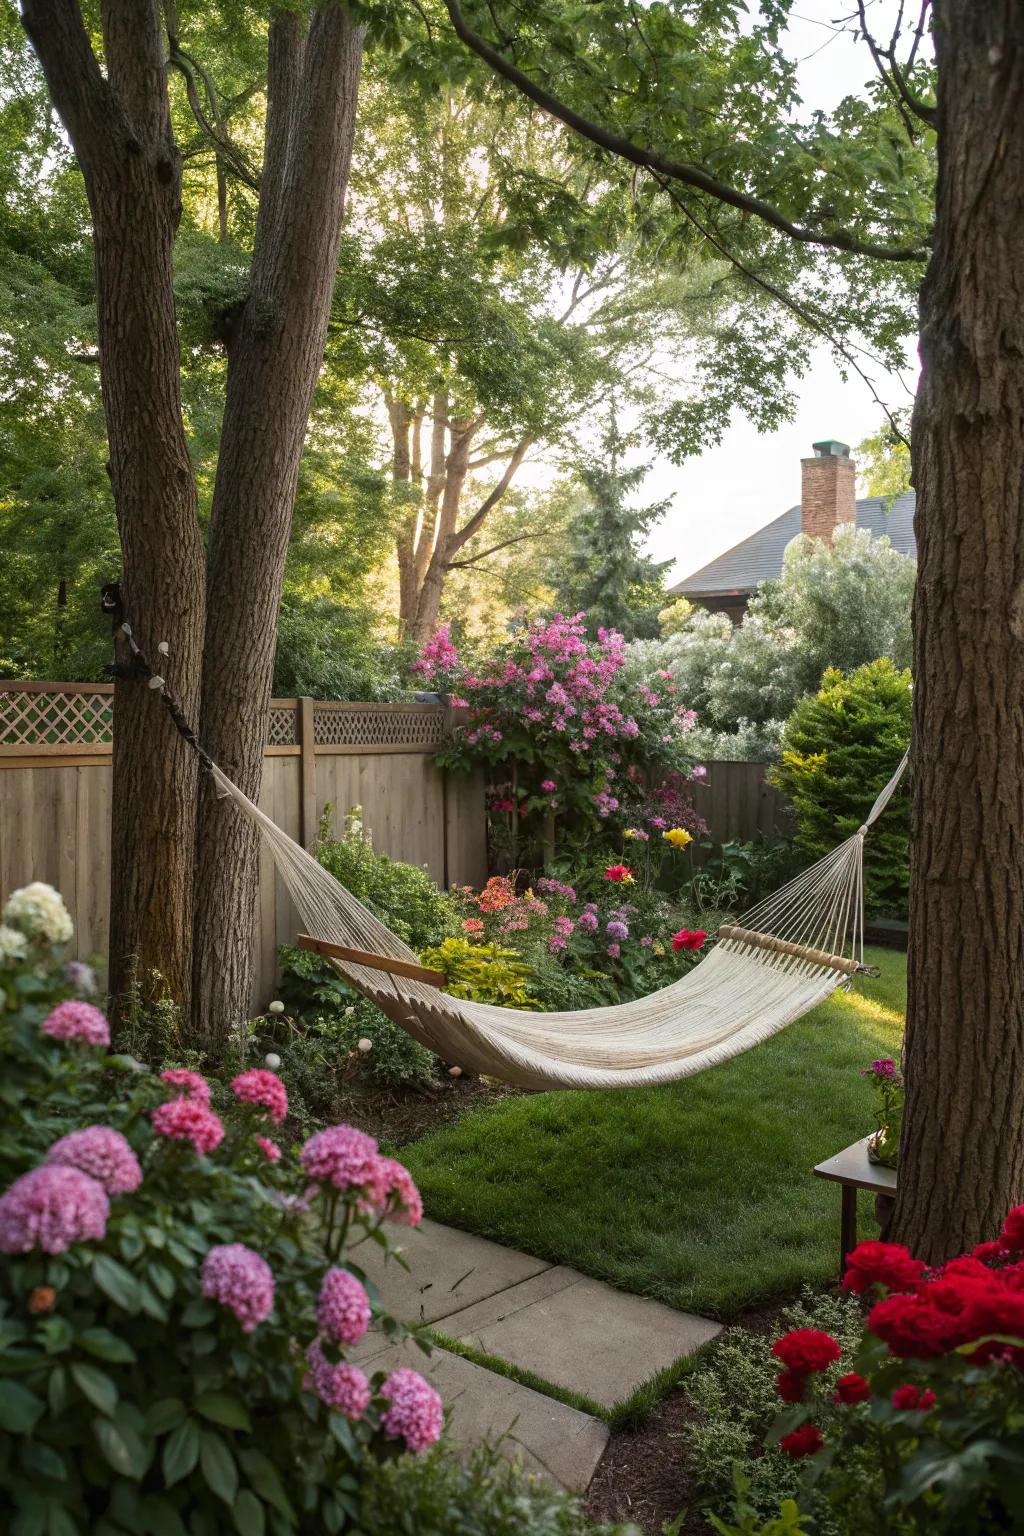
(759, 556)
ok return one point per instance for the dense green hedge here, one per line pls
(839, 749)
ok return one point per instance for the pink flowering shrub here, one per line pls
(179, 1293)
(552, 718)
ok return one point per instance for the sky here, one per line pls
(751, 478)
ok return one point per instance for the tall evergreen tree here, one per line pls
(606, 572)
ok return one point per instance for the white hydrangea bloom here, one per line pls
(39, 911)
(13, 945)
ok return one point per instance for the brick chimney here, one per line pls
(828, 495)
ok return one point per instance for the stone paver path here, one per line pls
(563, 1327)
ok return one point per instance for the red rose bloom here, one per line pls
(806, 1351)
(915, 1398)
(988, 1251)
(805, 1441)
(1011, 1238)
(915, 1328)
(888, 1264)
(790, 1386)
(618, 873)
(689, 938)
(852, 1389)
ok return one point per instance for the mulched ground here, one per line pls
(400, 1118)
(644, 1475)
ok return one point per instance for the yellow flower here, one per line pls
(657, 948)
(677, 836)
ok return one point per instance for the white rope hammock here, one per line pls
(786, 956)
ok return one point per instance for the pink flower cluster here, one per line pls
(270, 1149)
(438, 656)
(262, 1087)
(343, 1310)
(189, 1120)
(50, 1208)
(342, 1387)
(75, 1020)
(103, 1154)
(239, 1279)
(192, 1084)
(349, 1160)
(415, 1414)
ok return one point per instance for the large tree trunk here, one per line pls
(121, 133)
(273, 364)
(962, 1158)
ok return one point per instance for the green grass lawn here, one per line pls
(699, 1193)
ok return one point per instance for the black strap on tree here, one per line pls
(142, 668)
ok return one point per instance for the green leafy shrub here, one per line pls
(482, 973)
(160, 1284)
(483, 1496)
(840, 748)
(741, 874)
(401, 895)
(354, 1043)
(733, 1392)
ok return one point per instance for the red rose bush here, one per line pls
(933, 1400)
(177, 1291)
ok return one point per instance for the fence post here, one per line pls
(307, 772)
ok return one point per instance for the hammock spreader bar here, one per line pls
(798, 951)
(372, 962)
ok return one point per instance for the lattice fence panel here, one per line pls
(393, 727)
(56, 719)
(281, 726)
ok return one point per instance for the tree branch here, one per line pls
(458, 540)
(189, 68)
(460, 565)
(663, 165)
(893, 77)
(806, 316)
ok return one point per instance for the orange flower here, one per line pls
(42, 1299)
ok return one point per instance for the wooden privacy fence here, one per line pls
(55, 791)
(739, 805)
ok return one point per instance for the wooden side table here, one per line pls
(852, 1170)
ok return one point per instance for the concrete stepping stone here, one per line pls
(557, 1443)
(448, 1271)
(581, 1334)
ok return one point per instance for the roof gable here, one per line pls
(758, 557)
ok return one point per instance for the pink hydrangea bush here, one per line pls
(166, 1272)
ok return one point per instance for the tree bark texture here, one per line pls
(120, 129)
(273, 363)
(962, 1155)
